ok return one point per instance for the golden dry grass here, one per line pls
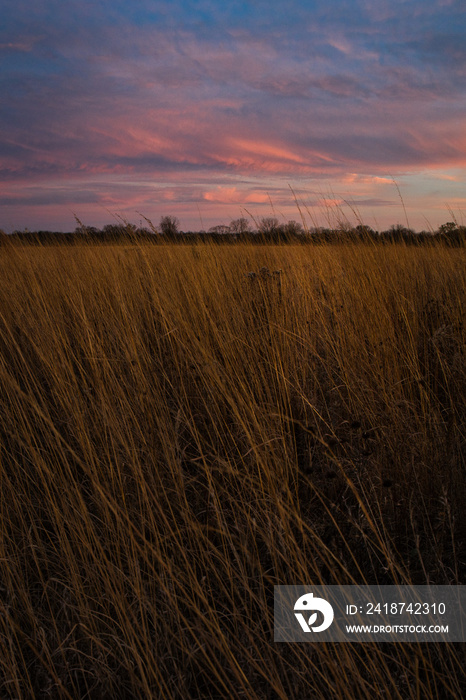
(178, 436)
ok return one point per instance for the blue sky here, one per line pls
(205, 109)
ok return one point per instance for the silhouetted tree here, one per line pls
(447, 229)
(219, 230)
(364, 232)
(240, 226)
(268, 225)
(292, 229)
(397, 233)
(452, 234)
(169, 225)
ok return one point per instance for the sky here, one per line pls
(217, 109)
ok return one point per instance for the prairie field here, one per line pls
(185, 426)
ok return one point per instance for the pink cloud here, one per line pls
(356, 178)
(233, 195)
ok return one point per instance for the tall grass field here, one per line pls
(185, 426)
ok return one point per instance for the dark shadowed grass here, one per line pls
(179, 435)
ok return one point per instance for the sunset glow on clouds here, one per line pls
(198, 109)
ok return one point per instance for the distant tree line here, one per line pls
(265, 230)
